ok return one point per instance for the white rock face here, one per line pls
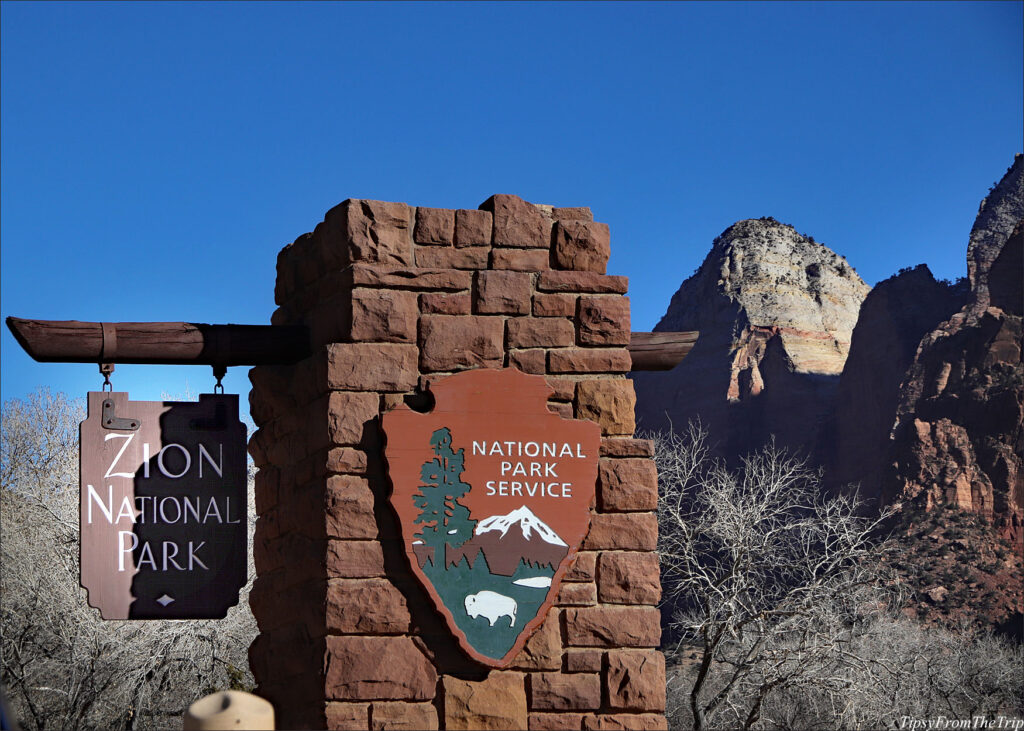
(775, 311)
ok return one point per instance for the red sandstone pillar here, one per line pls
(396, 296)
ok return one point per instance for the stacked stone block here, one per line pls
(396, 297)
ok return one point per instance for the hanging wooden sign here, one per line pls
(163, 506)
(493, 492)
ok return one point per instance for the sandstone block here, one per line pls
(521, 260)
(517, 223)
(385, 668)
(625, 722)
(449, 343)
(432, 303)
(330, 320)
(607, 626)
(562, 409)
(397, 715)
(503, 293)
(542, 721)
(285, 282)
(556, 281)
(346, 460)
(366, 606)
(265, 490)
(565, 692)
(564, 387)
(259, 447)
(609, 402)
(578, 595)
(348, 413)
(295, 707)
(627, 484)
(436, 257)
(271, 613)
(628, 577)
(349, 508)
(583, 567)
(293, 549)
(619, 447)
(583, 661)
(543, 651)
(354, 559)
(371, 366)
(622, 532)
(579, 213)
(472, 228)
(285, 652)
(497, 702)
(554, 305)
(635, 680)
(344, 716)
(589, 360)
(533, 360)
(531, 332)
(384, 315)
(434, 226)
(377, 232)
(370, 275)
(604, 321)
(582, 245)
(269, 396)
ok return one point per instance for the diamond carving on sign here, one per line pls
(165, 600)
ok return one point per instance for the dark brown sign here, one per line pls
(163, 506)
(493, 492)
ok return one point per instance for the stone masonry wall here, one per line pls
(396, 296)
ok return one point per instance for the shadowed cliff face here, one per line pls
(958, 437)
(894, 317)
(998, 215)
(775, 311)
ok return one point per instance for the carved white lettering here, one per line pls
(128, 440)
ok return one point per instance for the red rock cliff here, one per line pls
(958, 437)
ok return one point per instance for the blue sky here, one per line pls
(154, 157)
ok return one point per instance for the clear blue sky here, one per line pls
(156, 156)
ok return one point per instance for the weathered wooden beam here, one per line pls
(167, 343)
(191, 343)
(660, 351)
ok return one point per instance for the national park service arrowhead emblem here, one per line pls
(493, 492)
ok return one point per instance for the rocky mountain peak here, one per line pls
(757, 250)
(960, 419)
(998, 215)
(761, 273)
(775, 310)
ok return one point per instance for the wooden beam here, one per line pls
(660, 351)
(191, 343)
(167, 343)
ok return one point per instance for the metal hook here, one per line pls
(105, 370)
(219, 371)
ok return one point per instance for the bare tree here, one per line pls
(768, 581)
(898, 668)
(62, 665)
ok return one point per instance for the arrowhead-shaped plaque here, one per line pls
(493, 492)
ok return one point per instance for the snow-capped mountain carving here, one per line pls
(528, 523)
(506, 540)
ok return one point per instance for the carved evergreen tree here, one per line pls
(444, 519)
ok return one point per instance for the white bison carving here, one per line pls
(491, 605)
